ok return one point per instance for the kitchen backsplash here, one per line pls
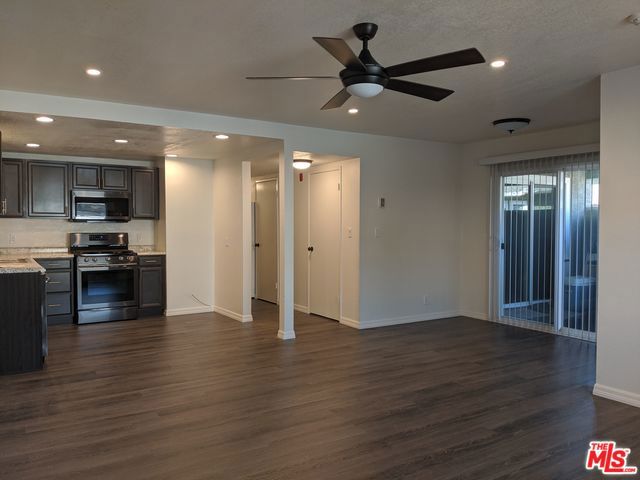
(35, 232)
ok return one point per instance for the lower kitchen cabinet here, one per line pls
(23, 332)
(152, 285)
(59, 291)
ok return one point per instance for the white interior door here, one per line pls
(266, 238)
(324, 243)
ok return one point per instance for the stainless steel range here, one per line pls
(106, 277)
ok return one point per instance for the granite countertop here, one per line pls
(19, 264)
(150, 253)
(21, 260)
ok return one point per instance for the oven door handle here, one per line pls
(106, 269)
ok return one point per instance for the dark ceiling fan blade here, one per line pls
(418, 90)
(460, 58)
(341, 52)
(337, 100)
(294, 78)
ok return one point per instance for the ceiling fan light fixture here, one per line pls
(302, 163)
(511, 124)
(365, 90)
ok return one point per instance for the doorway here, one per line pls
(266, 240)
(324, 242)
(546, 221)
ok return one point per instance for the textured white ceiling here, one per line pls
(194, 54)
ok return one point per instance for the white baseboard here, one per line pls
(617, 395)
(301, 308)
(387, 322)
(476, 315)
(172, 312)
(286, 335)
(234, 315)
(350, 322)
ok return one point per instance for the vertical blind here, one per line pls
(545, 244)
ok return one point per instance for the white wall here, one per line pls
(473, 203)
(228, 221)
(54, 232)
(189, 235)
(618, 354)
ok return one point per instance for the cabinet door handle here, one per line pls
(54, 283)
(55, 305)
(4, 206)
(150, 261)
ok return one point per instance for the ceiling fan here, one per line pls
(364, 77)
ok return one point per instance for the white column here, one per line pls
(285, 244)
(247, 242)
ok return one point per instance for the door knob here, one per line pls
(257, 245)
(310, 249)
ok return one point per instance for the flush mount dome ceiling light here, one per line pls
(222, 136)
(511, 124)
(302, 163)
(44, 119)
(93, 72)
(364, 77)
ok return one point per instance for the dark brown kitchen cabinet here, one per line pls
(144, 187)
(115, 178)
(48, 189)
(12, 186)
(85, 177)
(105, 177)
(151, 284)
(59, 290)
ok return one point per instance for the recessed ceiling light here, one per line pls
(121, 140)
(171, 155)
(44, 119)
(498, 63)
(93, 72)
(222, 136)
(353, 111)
(33, 145)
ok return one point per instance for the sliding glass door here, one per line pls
(528, 269)
(546, 257)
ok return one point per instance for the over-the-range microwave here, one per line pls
(100, 206)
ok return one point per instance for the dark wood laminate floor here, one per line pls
(202, 396)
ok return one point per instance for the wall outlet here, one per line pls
(377, 232)
(425, 300)
(349, 232)
(139, 238)
(12, 239)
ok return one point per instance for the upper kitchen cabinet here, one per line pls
(115, 178)
(105, 177)
(11, 188)
(144, 183)
(48, 189)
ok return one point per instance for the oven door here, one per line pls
(107, 287)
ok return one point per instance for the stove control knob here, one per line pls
(108, 259)
(120, 258)
(86, 260)
(130, 259)
(94, 260)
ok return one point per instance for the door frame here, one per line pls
(328, 167)
(255, 181)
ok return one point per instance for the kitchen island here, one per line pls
(23, 328)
